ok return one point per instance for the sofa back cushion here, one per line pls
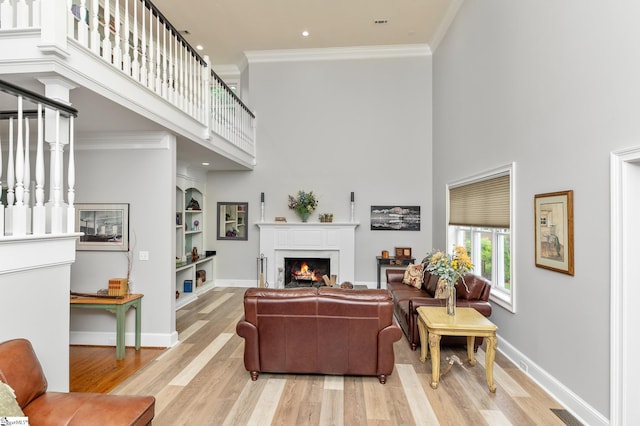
(430, 283)
(476, 288)
(329, 330)
(20, 369)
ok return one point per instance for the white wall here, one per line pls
(34, 301)
(333, 127)
(554, 87)
(139, 169)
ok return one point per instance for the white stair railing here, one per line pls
(23, 215)
(136, 38)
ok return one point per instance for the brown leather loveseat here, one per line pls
(322, 330)
(407, 299)
(20, 369)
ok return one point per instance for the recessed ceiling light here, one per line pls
(206, 164)
(199, 47)
(305, 33)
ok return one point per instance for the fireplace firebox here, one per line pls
(305, 271)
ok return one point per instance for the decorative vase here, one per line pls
(451, 300)
(304, 214)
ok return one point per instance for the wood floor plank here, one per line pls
(200, 361)
(332, 408)
(500, 376)
(211, 386)
(268, 402)
(421, 409)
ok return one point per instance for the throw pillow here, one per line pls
(413, 275)
(8, 405)
(442, 290)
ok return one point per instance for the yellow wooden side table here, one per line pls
(434, 322)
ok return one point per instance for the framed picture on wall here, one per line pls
(554, 231)
(395, 218)
(105, 227)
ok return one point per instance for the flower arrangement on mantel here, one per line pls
(449, 267)
(303, 204)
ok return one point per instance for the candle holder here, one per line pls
(353, 207)
(262, 207)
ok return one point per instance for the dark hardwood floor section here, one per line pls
(95, 368)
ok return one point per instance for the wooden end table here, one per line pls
(433, 322)
(118, 307)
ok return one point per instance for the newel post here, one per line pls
(54, 27)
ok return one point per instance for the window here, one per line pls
(481, 220)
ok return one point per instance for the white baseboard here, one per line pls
(94, 338)
(572, 402)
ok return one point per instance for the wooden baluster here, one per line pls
(126, 59)
(143, 59)
(182, 61)
(170, 95)
(106, 33)
(56, 209)
(27, 164)
(135, 66)
(164, 61)
(22, 14)
(71, 20)
(151, 80)
(71, 181)
(35, 14)
(117, 38)
(6, 14)
(11, 175)
(158, 74)
(83, 27)
(190, 103)
(206, 93)
(39, 210)
(95, 28)
(19, 222)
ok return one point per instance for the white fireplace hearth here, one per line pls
(335, 241)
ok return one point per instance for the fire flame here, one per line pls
(305, 273)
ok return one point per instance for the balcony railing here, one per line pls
(134, 37)
(23, 215)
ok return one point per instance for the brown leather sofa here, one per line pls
(407, 299)
(20, 369)
(322, 330)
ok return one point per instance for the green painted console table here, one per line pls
(118, 307)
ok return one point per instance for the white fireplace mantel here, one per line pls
(335, 240)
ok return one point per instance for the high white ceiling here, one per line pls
(227, 28)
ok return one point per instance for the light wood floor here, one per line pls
(202, 381)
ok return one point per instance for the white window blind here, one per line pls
(484, 203)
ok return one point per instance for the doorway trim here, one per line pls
(620, 305)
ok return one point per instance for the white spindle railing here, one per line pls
(137, 39)
(24, 215)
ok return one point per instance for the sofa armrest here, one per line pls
(249, 332)
(386, 337)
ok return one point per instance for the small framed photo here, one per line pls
(403, 252)
(554, 231)
(105, 227)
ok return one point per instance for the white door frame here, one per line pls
(622, 162)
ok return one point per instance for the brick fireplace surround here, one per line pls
(335, 240)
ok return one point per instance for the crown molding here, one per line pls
(337, 53)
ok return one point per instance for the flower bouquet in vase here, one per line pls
(449, 268)
(303, 204)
